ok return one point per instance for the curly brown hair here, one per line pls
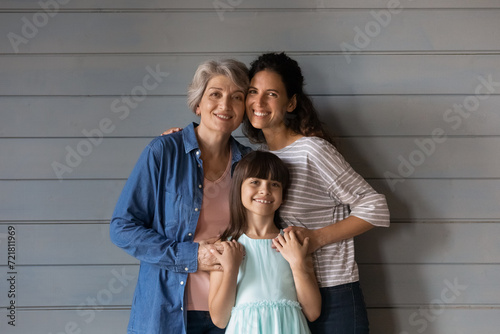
(304, 119)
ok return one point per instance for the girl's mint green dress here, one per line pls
(266, 300)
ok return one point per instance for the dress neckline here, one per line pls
(280, 232)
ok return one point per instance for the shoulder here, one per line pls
(314, 149)
(324, 156)
(318, 144)
(163, 144)
(238, 147)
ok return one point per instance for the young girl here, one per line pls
(261, 290)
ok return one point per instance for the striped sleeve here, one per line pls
(347, 186)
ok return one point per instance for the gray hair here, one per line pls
(231, 68)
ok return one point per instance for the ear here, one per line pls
(198, 111)
(292, 104)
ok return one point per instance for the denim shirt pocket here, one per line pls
(176, 214)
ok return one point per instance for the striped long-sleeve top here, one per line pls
(325, 189)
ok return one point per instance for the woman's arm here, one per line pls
(368, 208)
(345, 229)
(222, 291)
(134, 226)
(303, 272)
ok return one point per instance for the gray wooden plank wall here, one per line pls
(411, 88)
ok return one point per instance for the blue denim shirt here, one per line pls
(155, 220)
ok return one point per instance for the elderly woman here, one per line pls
(176, 202)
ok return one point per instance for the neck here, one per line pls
(261, 228)
(212, 145)
(277, 139)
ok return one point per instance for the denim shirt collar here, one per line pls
(191, 143)
(189, 138)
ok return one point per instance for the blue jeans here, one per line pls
(343, 311)
(199, 322)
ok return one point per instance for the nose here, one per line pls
(256, 98)
(265, 188)
(261, 99)
(225, 103)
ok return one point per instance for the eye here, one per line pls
(239, 97)
(251, 181)
(252, 91)
(272, 94)
(276, 184)
(215, 94)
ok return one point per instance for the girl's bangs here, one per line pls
(268, 167)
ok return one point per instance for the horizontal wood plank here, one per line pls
(408, 199)
(95, 320)
(344, 116)
(413, 285)
(256, 4)
(380, 157)
(81, 244)
(427, 243)
(89, 244)
(155, 31)
(141, 76)
(435, 320)
(383, 285)
(72, 286)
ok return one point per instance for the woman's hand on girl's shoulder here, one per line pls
(231, 256)
(302, 233)
(294, 251)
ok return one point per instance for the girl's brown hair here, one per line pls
(258, 164)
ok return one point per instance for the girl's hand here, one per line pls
(292, 249)
(231, 256)
(171, 130)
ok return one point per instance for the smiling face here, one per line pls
(261, 197)
(222, 106)
(267, 102)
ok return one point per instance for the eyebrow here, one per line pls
(218, 88)
(267, 90)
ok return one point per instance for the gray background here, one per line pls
(389, 82)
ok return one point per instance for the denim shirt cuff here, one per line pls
(187, 259)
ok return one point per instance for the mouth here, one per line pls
(223, 117)
(261, 113)
(262, 201)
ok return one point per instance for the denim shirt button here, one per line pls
(196, 209)
(200, 186)
(186, 269)
(182, 282)
(190, 234)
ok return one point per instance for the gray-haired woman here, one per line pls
(176, 202)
